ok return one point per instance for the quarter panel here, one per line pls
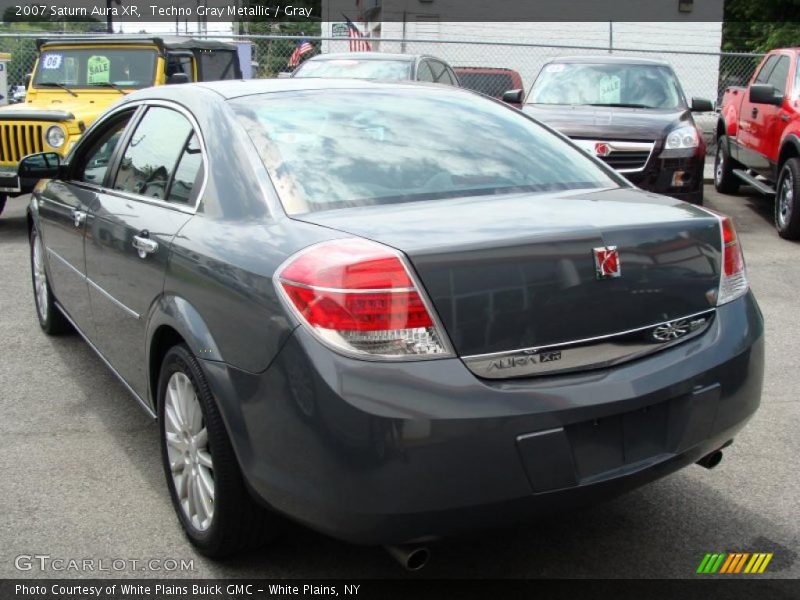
(224, 269)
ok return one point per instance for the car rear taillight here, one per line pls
(360, 297)
(733, 281)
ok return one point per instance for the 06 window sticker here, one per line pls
(52, 61)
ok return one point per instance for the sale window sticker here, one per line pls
(98, 69)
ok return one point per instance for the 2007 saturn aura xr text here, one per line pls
(391, 311)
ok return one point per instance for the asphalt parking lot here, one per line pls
(81, 474)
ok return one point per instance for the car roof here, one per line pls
(484, 69)
(611, 60)
(169, 43)
(367, 56)
(230, 89)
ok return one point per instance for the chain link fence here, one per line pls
(701, 74)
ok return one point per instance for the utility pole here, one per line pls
(109, 16)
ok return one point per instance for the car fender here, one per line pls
(180, 315)
(728, 117)
(790, 145)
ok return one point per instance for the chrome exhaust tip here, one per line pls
(709, 461)
(411, 557)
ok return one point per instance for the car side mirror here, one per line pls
(28, 78)
(514, 96)
(764, 93)
(178, 78)
(44, 165)
(702, 105)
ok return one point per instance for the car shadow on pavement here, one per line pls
(759, 204)
(13, 227)
(660, 531)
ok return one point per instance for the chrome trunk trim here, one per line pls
(590, 353)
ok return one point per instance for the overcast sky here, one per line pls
(166, 28)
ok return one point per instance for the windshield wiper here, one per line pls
(109, 84)
(56, 84)
(622, 105)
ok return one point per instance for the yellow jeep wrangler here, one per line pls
(75, 80)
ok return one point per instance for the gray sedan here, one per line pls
(378, 65)
(393, 312)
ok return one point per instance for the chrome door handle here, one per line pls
(785, 117)
(144, 245)
(78, 217)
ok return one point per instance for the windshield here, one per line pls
(89, 67)
(356, 69)
(637, 86)
(491, 84)
(340, 148)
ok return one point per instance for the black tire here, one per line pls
(3, 198)
(787, 207)
(51, 320)
(238, 523)
(725, 181)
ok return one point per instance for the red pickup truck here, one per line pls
(758, 137)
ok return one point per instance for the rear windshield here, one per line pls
(491, 84)
(340, 148)
(618, 84)
(356, 69)
(89, 67)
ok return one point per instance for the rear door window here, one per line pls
(188, 173)
(440, 73)
(424, 72)
(151, 158)
(180, 63)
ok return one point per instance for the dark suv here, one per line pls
(629, 112)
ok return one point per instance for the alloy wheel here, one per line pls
(720, 170)
(785, 198)
(190, 460)
(39, 278)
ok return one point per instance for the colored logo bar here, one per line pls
(733, 563)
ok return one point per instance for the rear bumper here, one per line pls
(382, 453)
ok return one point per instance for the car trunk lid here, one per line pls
(514, 272)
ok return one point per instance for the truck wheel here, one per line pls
(787, 209)
(725, 181)
(205, 482)
(3, 198)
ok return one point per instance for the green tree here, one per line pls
(760, 25)
(20, 38)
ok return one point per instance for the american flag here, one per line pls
(303, 47)
(358, 41)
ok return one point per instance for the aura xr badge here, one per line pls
(606, 262)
